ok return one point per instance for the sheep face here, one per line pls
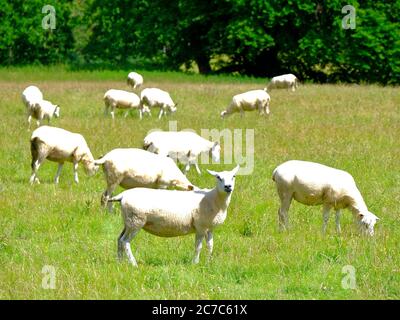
(216, 152)
(173, 108)
(224, 114)
(225, 180)
(90, 168)
(367, 222)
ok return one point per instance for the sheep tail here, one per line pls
(117, 198)
(273, 175)
(34, 150)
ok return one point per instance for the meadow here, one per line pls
(352, 127)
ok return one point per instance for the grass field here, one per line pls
(355, 128)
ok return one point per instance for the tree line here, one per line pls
(313, 39)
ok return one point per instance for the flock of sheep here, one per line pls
(148, 173)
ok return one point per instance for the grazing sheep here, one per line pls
(135, 80)
(183, 146)
(171, 213)
(157, 98)
(315, 184)
(43, 109)
(286, 81)
(249, 101)
(132, 168)
(59, 145)
(122, 100)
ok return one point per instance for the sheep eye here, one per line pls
(219, 178)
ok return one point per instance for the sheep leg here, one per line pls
(338, 228)
(286, 200)
(198, 246)
(76, 179)
(126, 114)
(35, 167)
(210, 242)
(124, 242)
(197, 167)
(29, 121)
(121, 245)
(267, 111)
(161, 113)
(107, 194)
(187, 168)
(56, 179)
(325, 217)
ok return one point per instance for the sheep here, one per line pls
(123, 100)
(135, 80)
(43, 109)
(284, 81)
(315, 184)
(59, 145)
(30, 96)
(157, 98)
(183, 146)
(132, 168)
(172, 213)
(249, 101)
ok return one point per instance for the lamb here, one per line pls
(183, 146)
(249, 101)
(59, 145)
(132, 168)
(123, 100)
(32, 98)
(43, 109)
(284, 81)
(316, 184)
(135, 80)
(157, 98)
(175, 213)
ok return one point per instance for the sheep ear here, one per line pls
(236, 169)
(216, 143)
(213, 173)
(360, 215)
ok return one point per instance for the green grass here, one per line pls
(355, 128)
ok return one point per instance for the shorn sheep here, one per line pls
(315, 184)
(36, 107)
(132, 168)
(157, 98)
(285, 81)
(121, 99)
(59, 145)
(44, 110)
(135, 80)
(182, 146)
(171, 213)
(249, 101)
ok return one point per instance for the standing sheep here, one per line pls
(249, 101)
(122, 100)
(157, 98)
(315, 184)
(285, 81)
(44, 110)
(135, 80)
(132, 168)
(59, 145)
(183, 146)
(171, 213)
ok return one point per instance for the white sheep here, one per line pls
(249, 101)
(157, 98)
(135, 80)
(123, 100)
(171, 213)
(59, 145)
(182, 146)
(43, 109)
(285, 81)
(316, 184)
(132, 168)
